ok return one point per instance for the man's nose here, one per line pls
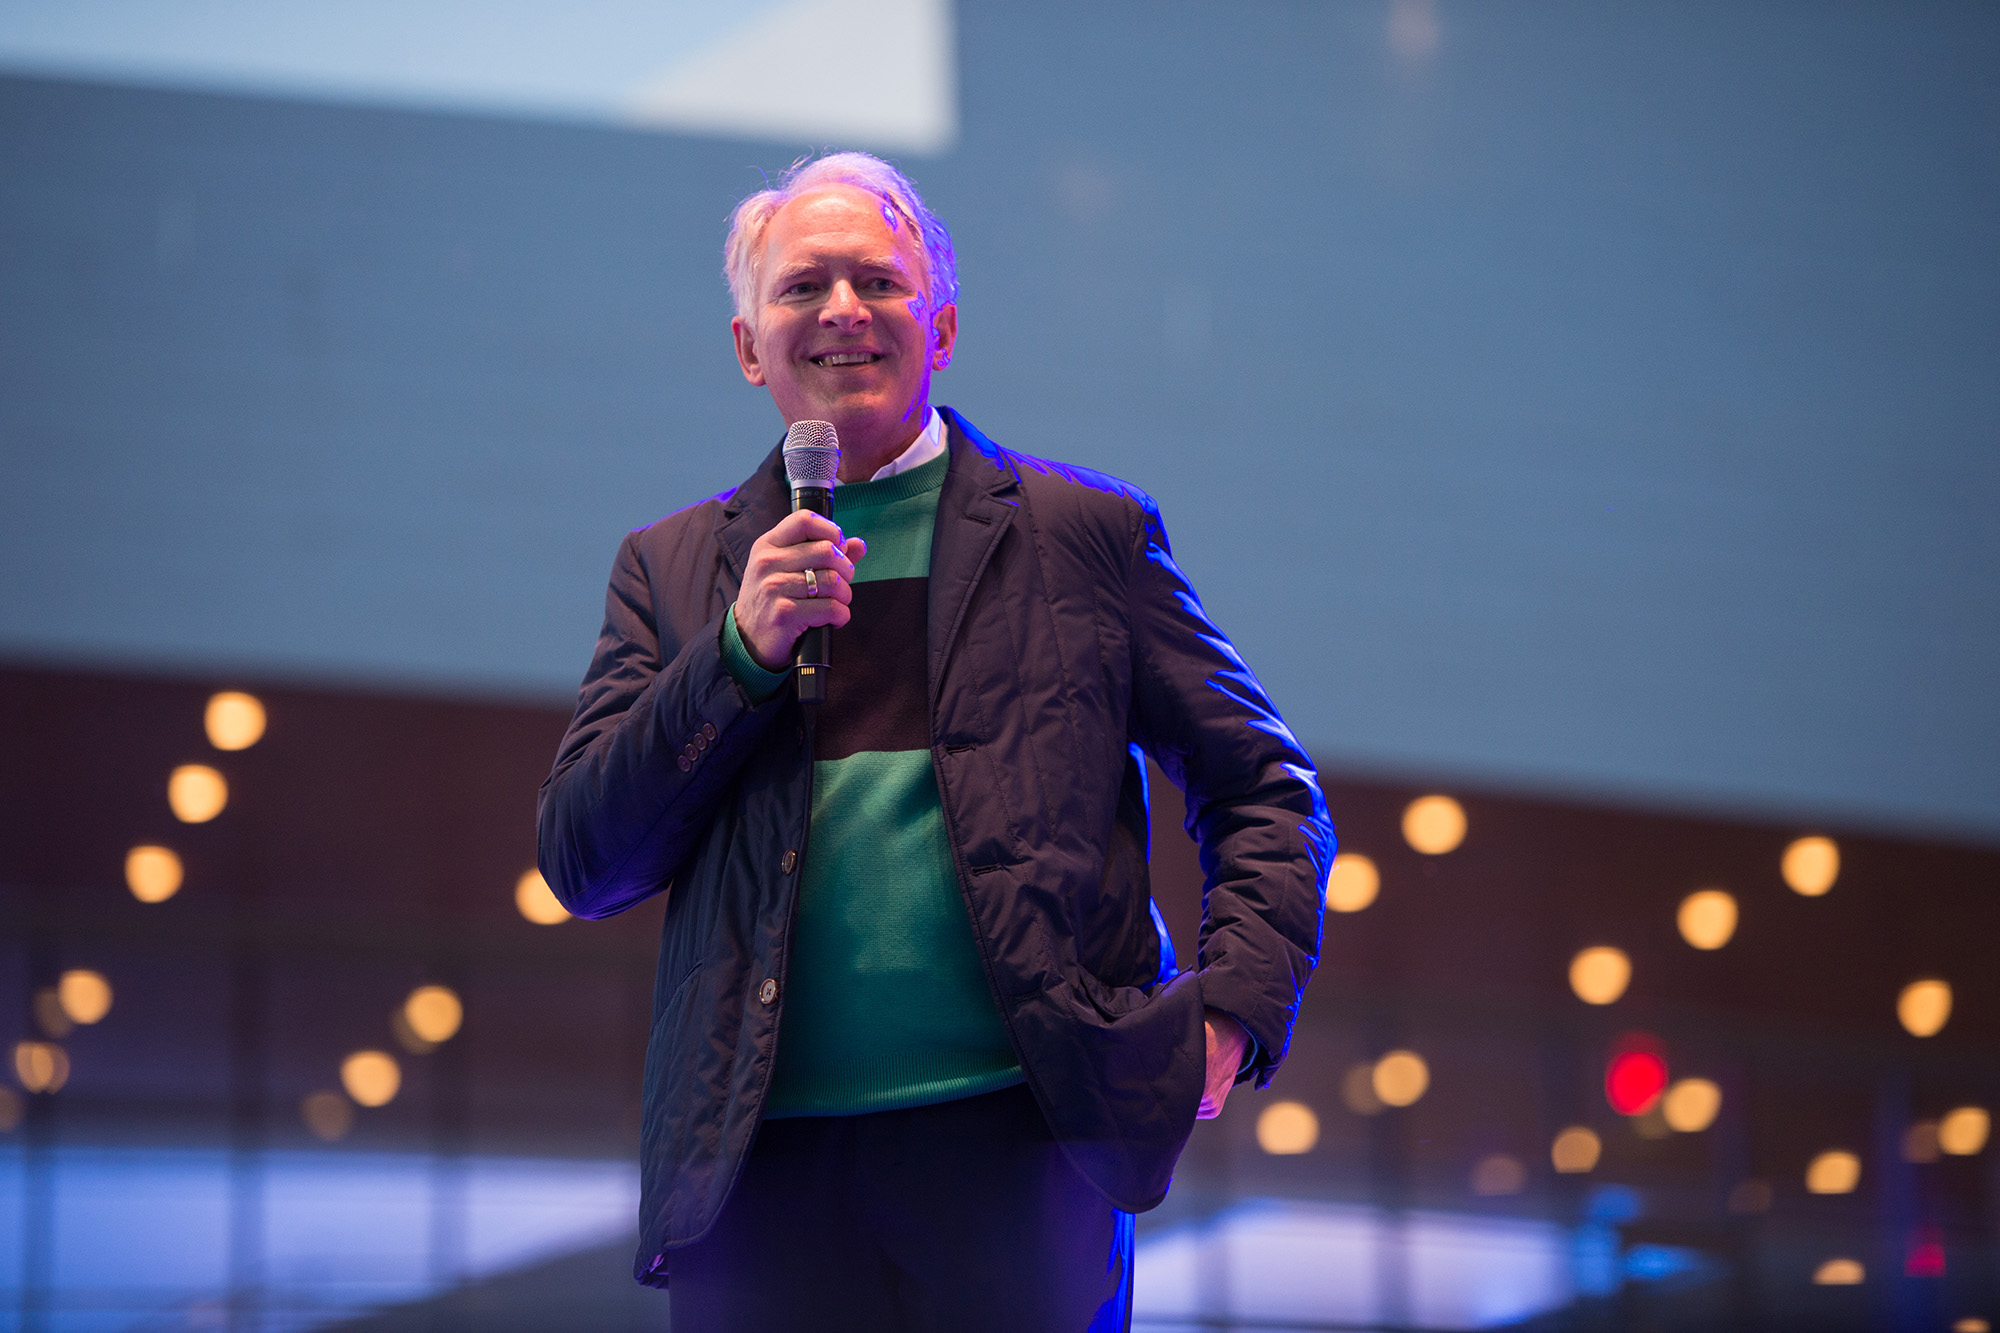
(844, 306)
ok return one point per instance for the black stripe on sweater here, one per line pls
(876, 697)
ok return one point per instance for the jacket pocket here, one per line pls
(661, 1068)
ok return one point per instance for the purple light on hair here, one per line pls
(901, 206)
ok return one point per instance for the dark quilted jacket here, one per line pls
(1063, 643)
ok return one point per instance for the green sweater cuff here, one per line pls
(758, 683)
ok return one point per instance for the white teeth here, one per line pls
(846, 359)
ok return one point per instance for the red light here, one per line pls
(1633, 1081)
(1926, 1256)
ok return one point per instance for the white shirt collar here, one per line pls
(928, 445)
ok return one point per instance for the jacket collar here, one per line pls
(753, 507)
(981, 495)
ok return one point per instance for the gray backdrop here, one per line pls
(1605, 402)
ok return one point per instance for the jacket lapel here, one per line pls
(978, 502)
(752, 509)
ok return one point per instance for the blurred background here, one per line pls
(1584, 417)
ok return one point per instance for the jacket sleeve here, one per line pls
(1254, 804)
(660, 730)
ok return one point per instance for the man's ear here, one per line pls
(944, 336)
(746, 350)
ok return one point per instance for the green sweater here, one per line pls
(886, 1001)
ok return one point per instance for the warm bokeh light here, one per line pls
(406, 1037)
(1434, 825)
(536, 901)
(1840, 1273)
(1691, 1105)
(1833, 1173)
(1400, 1078)
(1599, 975)
(196, 793)
(328, 1115)
(1811, 865)
(85, 995)
(371, 1078)
(1707, 918)
(1286, 1129)
(1924, 1007)
(12, 1109)
(1963, 1132)
(1497, 1174)
(1920, 1143)
(1634, 1081)
(152, 873)
(433, 1013)
(42, 1066)
(1352, 883)
(233, 720)
(1576, 1151)
(1971, 1324)
(1357, 1090)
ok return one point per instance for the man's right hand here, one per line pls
(772, 608)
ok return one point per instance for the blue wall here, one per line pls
(1606, 401)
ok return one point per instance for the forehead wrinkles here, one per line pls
(906, 254)
(808, 263)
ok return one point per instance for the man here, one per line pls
(919, 1046)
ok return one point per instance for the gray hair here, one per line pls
(902, 207)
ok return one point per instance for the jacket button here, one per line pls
(688, 752)
(700, 741)
(708, 730)
(685, 762)
(768, 992)
(787, 861)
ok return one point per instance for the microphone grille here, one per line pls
(812, 453)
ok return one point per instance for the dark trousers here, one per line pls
(961, 1216)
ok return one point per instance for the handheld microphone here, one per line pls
(812, 461)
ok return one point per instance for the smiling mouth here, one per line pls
(846, 358)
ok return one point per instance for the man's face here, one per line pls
(843, 331)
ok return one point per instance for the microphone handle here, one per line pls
(812, 648)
